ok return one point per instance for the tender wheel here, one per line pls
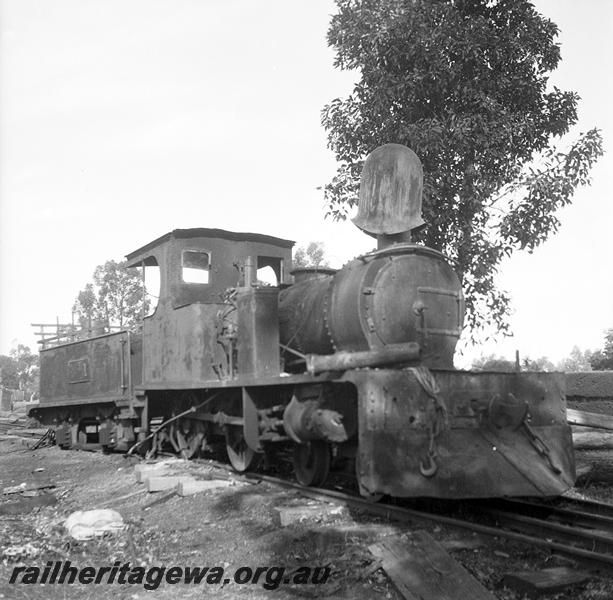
(365, 493)
(241, 456)
(312, 462)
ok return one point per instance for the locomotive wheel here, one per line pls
(312, 462)
(241, 456)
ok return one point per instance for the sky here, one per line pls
(122, 120)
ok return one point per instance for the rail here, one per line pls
(604, 559)
(570, 545)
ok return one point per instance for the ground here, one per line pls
(234, 527)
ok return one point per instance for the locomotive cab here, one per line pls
(197, 269)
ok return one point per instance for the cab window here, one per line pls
(269, 270)
(195, 266)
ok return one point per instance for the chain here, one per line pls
(439, 422)
(539, 445)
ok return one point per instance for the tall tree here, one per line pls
(464, 83)
(86, 306)
(115, 296)
(602, 360)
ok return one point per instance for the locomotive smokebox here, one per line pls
(405, 293)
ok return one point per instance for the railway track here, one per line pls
(6, 425)
(574, 528)
(34, 438)
(591, 506)
(584, 535)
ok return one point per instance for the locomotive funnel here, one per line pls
(390, 192)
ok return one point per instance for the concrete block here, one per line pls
(147, 466)
(143, 471)
(297, 514)
(546, 581)
(161, 483)
(472, 543)
(194, 486)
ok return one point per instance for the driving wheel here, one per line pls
(241, 456)
(312, 462)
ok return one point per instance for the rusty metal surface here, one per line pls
(414, 296)
(397, 354)
(203, 232)
(302, 316)
(474, 458)
(407, 293)
(228, 252)
(224, 255)
(390, 191)
(307, 420)
(257, 341)
(180, 340)
(95, 369)
(322, 412)
(310, 273)
(180, 347)
(246, 381)
(250, 424)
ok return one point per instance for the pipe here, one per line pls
(341, 361)
(249, 272)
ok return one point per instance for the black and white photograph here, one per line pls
(306, 299)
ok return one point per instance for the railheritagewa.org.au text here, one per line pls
(151, 577)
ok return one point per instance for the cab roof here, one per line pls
(203, 232)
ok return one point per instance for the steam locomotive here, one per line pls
(354, 364)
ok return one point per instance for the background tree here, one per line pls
(537, 364)
(86, 307)
(464, 84)
(19, 370)
(578, 360)
(115, 296)
(602, 360)
(492, 362)
(8, 372)
(313, 255)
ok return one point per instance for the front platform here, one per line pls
(482, 435)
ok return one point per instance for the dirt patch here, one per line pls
(230, 528)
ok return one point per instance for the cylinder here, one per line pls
(305, 421)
